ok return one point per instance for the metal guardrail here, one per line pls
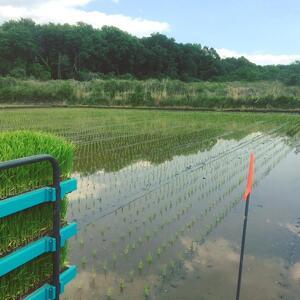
(47, 244)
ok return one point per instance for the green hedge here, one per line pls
(151, 92)
(26, 226)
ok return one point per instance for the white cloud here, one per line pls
(72, 11)
(261, 59)
(31, 3)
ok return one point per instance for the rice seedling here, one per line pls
(141, 266)
(109, 293)
(105, 269)
(122, 285)
(149, 258)
(126, 250)
(146, 292)
(114, 260)
(131, 275)
(158, 252)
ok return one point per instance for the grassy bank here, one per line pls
(21, 228)
(152, 93)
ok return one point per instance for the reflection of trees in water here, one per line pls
(116, 153)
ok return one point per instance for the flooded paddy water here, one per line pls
(159, 202)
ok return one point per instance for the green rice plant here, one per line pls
(114, 260)
(146, 292)
(109, 293)
(158, 252)
(94, 253)
(149, 258)
(21, 228)
(133, 246)
(141, 266)
(122, 285)
(105, 269)
(126, 250)
(131, 275)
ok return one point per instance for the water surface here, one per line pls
(172, 230)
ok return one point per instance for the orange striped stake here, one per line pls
(246, 197)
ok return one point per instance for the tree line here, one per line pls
(81, 52)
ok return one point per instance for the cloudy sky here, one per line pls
(264, 31)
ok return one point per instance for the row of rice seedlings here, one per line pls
(209, 229)
(109, 184)
(209, 210)
(141, 264)
(92, 120)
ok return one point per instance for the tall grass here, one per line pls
(23, 227)
(152, 92)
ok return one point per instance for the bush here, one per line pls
(150, 92)
(40, 72)
(28, 225)
(18, 72)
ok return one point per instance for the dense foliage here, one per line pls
(151, 92)
(81, 52)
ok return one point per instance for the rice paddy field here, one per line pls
(159, 201)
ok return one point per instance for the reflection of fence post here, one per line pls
(246, 197)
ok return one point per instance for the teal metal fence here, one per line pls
(47, 244)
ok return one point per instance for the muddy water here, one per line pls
(172, 230)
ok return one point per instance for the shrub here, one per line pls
(18, 72)
(149, 92)
(40, 72)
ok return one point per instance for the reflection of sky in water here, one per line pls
(151, 213)
(211, 273)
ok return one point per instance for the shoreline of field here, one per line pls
(164, 108)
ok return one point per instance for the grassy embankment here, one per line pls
(152, 93)
(21, 228)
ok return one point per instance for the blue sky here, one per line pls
(265, 31)
(269, 26)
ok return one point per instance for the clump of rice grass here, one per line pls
(109, 294)
(126, 250)
(141, 266)
(23, 227)
(158, 252)
(149, 258)
(105, 270)
(146, 292)
(122, 285)
(131, 275)
(114, 259)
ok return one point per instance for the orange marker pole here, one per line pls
(246, 197)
